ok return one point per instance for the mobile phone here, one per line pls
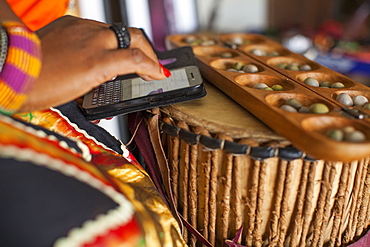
(130, 93)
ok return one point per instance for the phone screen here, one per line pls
(127, 94)
(140, 88)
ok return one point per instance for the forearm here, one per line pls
(6, 13)
(77, 56)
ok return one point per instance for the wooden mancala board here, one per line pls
(307, 131)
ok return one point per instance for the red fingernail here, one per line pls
(166, 72)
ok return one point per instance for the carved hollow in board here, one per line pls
(251, 81)
(322, 124)
(321, 77)
(215, 51)
(280, 99)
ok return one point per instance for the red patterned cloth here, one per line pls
(61, 185)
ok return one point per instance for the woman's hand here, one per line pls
(79, 54)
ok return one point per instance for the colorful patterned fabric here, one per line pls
(64, 177)
(22, 66)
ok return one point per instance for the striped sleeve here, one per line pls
(22, 66)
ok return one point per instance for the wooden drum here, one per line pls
(232, 174)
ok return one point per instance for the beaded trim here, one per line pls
(41, 134)
(92, 229)
(21, 68)
(3, 47)
(125, 152)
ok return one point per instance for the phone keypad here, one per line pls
(107, 93)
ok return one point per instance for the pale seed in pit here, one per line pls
(354, 136)
(258, 52)
(344, 99)
(335, 134)
(325, 84)
(250, 68)
(367, 106)
(337, 85)
(288, 108)
(226, 55)
(304, 109)
(311, 82)
(305, 67)
(277, 87)
(360, 100)
(318, 108)
(238, 65)
(260, 86)
(294, 103)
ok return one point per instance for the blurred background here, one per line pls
(334, 33)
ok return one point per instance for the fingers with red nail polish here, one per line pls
(165, 71)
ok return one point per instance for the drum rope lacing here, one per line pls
(257, 153)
